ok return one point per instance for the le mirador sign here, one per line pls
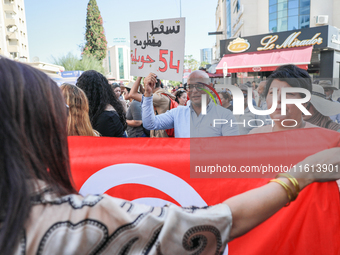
(317, 36)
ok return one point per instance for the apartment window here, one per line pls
(273, 8)
(293, 23)
(273, 16)
(293, 4)
(282, 24)
(14, 54)
(304, 10)
(288, 15)
(304, 21)
(10, 15)
(273, 26)
(293, 12)
(13, 42)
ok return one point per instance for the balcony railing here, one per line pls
(13, 35)
(10, 8)
(11, 22)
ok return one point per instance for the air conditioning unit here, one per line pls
(321, 20)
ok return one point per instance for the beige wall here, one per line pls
(318, 7)
(262, 17)
(336, 13)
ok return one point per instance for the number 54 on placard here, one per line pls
(163, 59)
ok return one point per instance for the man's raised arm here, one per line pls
(134, 90)
(150, 121)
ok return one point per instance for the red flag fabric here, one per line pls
(161, 170)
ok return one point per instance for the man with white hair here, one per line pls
(189, 121)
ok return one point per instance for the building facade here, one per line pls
(297, 23)
(242, 18)
(13, 30)
(207, 55)
(117, 62)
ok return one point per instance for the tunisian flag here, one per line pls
(156, 171)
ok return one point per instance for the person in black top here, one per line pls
(106, 112)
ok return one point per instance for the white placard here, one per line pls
(157, 46)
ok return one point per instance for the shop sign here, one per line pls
(238, 45)
(318, 37)
(291, 41)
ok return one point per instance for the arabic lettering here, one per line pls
(137, 43)
(160, 30)
(148, 42)
(134, 58)
(149, 60)
(152, 42)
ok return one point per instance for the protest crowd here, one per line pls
(130, 111)
(46, 214)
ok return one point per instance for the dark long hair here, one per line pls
(99, 94)
(33, 144)
(293, 75)
(178, 94)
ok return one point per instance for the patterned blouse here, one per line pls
(100, 224)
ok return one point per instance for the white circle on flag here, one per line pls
(170, 184)
(119, 174)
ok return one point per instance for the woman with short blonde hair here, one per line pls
(78, 121)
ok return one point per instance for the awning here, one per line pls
(263, 61)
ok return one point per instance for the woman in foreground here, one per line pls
(41, 212)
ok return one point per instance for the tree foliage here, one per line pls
(191, 63)
(204, 64)
(71, 63)
(96, 44)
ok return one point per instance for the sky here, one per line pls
(55, 28)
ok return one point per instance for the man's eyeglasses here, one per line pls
(197, 86)
(245, 94)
